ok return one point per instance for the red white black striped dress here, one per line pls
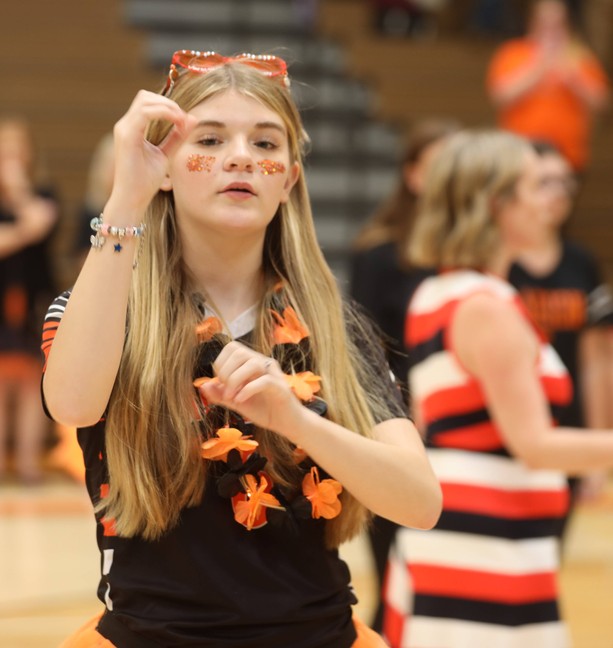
(487, 574)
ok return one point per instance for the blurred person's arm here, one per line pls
(33, 215)
(596, 377)
(587, 80)
(498, 346)
(511, 89)
(34, 219)
(513, 75)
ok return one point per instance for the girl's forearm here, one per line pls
(394, 480)
(85, 355)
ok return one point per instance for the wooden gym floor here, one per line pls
(49, 565)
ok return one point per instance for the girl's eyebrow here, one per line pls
(212, 123)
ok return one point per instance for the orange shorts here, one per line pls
(88, 637)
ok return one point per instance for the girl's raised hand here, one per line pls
(254, 386)
(140, 167)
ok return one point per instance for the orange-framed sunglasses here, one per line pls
(203, 62)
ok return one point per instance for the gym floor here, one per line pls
(49, 566)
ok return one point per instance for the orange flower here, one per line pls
(248, 510)
(205, 379)
(289, 328)
(228, 439)
(197, 384)
(304, 384)
(322, 495)
(299, 455)
(209, 327)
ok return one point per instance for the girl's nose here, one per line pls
(239, 157)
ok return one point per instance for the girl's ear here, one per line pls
(497, 204)
(292, 178)
(166, 184)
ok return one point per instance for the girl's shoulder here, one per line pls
(436, 291)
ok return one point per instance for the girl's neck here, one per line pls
(543, 257)
(228, 272)
(539, 258)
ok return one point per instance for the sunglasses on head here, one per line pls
(203, 62)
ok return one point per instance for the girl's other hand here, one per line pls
(254, 386)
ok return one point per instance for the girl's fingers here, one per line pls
(213, 393)
(247, 371)
(253, 388)
(237, 367)
(177, 134)
(231, 357)
(147, 107)
(136, 157)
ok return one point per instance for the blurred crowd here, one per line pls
(547, 85)
(417, 18)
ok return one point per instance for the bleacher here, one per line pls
(73, 67)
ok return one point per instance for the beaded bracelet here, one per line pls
(104, 230)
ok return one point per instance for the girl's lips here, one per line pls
(238, 194)
(240, 187)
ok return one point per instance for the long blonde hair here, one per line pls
(152, 444)
(455, 226)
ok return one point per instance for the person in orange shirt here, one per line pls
(548, 85)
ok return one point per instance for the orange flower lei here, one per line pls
(250, 489)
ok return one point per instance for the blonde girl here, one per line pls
(237, 421)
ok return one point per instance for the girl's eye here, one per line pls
(267, 145)
(209, 140)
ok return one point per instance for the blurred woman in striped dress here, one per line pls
(487, 391)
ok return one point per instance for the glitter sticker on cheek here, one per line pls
(197, 162)
(270, 167)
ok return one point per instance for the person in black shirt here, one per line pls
(562, 286)
(237, 421)
(28, 214)
(382, 281)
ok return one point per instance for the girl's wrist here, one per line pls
(302, 425)
(121, 212)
